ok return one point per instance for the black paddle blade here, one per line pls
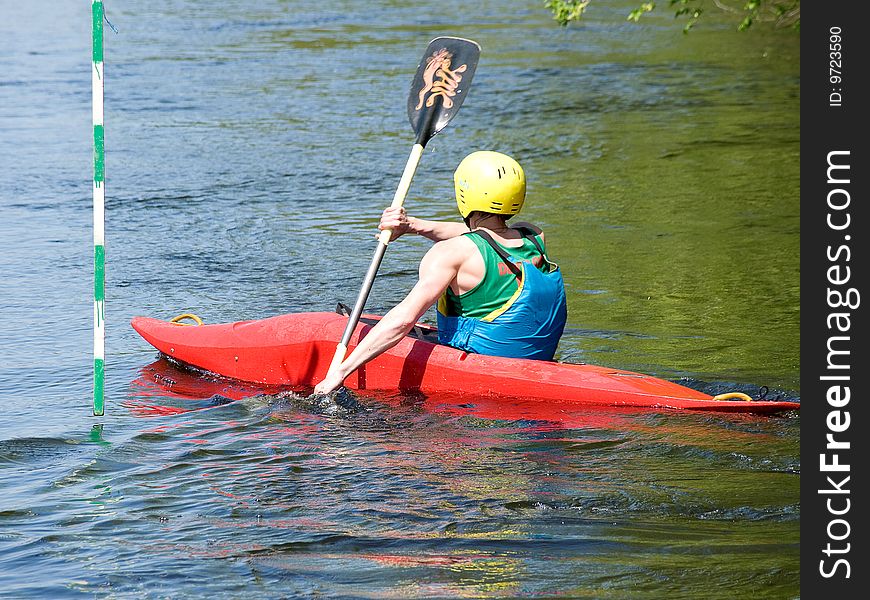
(441, 84)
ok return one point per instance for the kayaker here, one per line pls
(497, 291)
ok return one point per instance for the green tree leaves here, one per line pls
(781, 13)
(565, 11)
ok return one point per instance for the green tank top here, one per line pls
(498, 284)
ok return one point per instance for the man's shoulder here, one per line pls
(452, 251)
(458, 243)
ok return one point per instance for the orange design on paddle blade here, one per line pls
(439, 80)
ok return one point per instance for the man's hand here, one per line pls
(396, 220)
(332, 382)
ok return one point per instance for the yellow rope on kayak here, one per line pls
(733, 395)
(177, 320)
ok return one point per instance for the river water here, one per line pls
(250, 149)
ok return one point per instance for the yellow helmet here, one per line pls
(490, 182)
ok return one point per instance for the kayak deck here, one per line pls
(295, 351)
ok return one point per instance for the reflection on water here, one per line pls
(393, 498)
(250, 148)
(396, 497)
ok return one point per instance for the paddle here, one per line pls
(439, 87)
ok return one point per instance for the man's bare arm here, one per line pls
(400, 223)
(437, 269)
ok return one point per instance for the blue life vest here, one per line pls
(529, 325)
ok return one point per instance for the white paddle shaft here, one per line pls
(383, 242)
(404, 186)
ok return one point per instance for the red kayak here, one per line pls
(294, 351)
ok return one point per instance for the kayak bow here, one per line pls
(295, 351)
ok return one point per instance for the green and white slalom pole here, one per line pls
(97, 13)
